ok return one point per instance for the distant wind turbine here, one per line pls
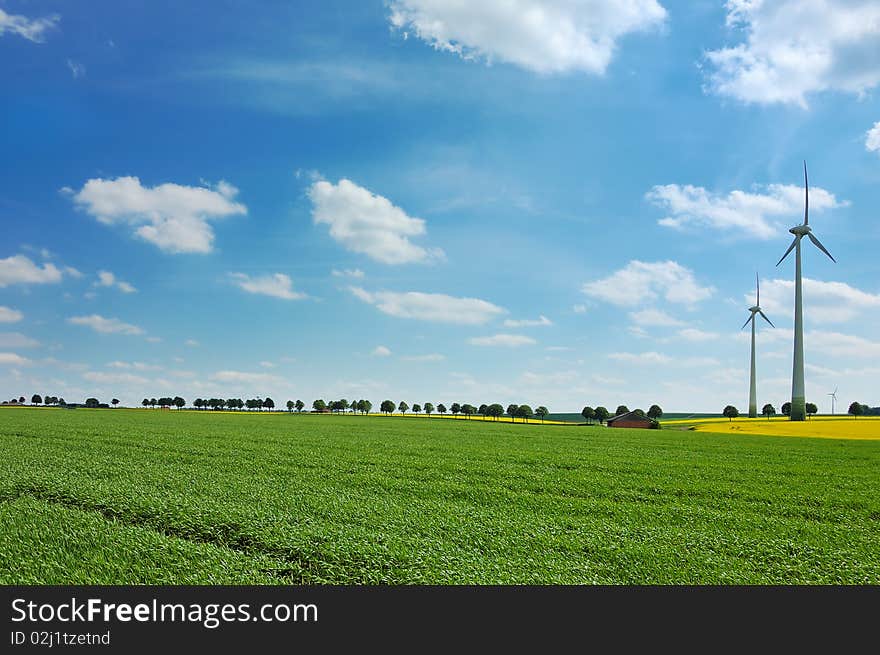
(833, 395)
(755, 309)
(798, 402)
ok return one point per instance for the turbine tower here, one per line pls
(833, 395)
(798, 408)
(755, 309)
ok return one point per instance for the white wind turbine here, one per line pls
(798, 402)
(833, 395)
(755, 309)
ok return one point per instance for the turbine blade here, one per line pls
(806, 196)
(766, 319)
(757, 291)
(819, 245)
(790, 248)
(747, 321)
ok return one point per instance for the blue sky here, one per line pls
(557, 203)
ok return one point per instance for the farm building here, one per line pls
(630, 420)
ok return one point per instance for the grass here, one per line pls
(150, 497)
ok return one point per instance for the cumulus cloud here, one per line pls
(171, 216)
(19, 269)
(749, 213)
(654, 317)
(137, 366)
(369, 224)
(103, 377)
(507, 340)
(32, 29)
(17, 340)
(348, 272)
(872, 138)
(793, 48)
(541, 321)
(641, 358)
(544, 36)
(825, 302)
(108, 279)
(693, 334)
(640, 282)
(277, 285)
(105, 325)
(436, 307)
(244, 377)
(381, 351)
(9, 315)
(11, 359)
(430, 357)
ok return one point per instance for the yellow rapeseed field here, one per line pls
(821, 427)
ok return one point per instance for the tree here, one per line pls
(768, 410)
(856, 409)
(524, 412)
(416, 408)
(429, 409)
(21, 400)
(786, 409)
(455, 408)
(541, 413)
(36, 400)
(299, 405)
(319, 405)
(483, 410)
(145, 402)
(730, 412)
(92, 402)
(639, 412)
(588, 413)
(232, 403)
(468, 410)
(114, 402)
(441, 408)
(289, 405)
(269, 404)
(387, 406)
(602, 414)
(654, 412)
(495, 410)
(811, 409)
(367, 406)
(621, 409)
(403, 407)
(511, 411)
(179, 402)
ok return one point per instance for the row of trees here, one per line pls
(856, 409)
(601, 414)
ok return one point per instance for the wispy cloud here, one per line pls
(277, 285)
(105, 325)
(435, 307)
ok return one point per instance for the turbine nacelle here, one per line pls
(801, 230)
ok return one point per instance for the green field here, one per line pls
(163, 497)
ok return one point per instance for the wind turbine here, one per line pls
(755, 309)
(833, 395)
(798, 409)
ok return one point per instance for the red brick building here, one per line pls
(630, 420)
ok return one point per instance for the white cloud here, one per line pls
(841, 345)
(72, 272)
(654, 317)
(77, 69)
(108, 279)
(872, 138)
(19, 269)
(192, 343)
(381, 351)
(368, 223)
(154, 339)
(348, 272)
(431, 357)
(246, 378)
(507, 340)
(277, 285)
(171, 216)
(9, 315)
(639, 282)
(265, 364)
(693, 334)
(103, 377)
(750, 214)
(540, 321)
(138, 366)
(11, 359)
(17, 340)
(579, 309)
(824, 302)
(545, 36)
(105, 325)
(32, 29)
(641, 358)
(793, 48)
(435, 307)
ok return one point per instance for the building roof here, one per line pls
(630, 415)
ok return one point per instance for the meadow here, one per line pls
(167, 497)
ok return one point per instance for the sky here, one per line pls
(557, 203)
